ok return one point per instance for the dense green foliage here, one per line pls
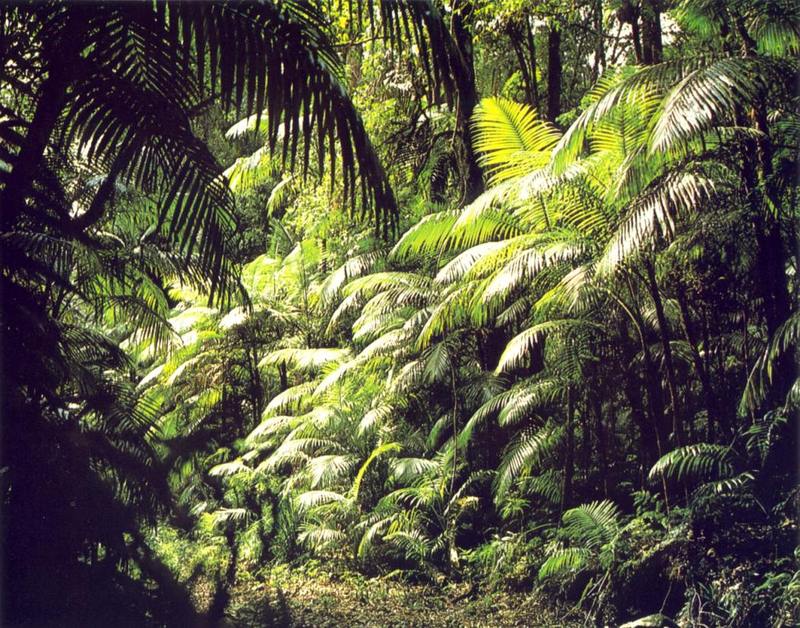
(491, 291)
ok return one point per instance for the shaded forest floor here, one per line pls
(318, 598)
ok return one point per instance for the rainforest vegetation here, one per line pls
(400, 312)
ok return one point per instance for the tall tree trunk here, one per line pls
(649, 447)
(467, 99)
(554, 72)
(628, 13)
(669, 367)
(151, 565)
(600, 433)
(222, 593)
(765, 210)
(569, 454)
(652, 381)
(586, 439)
(527, 62)
(652, 45)
(697, 361)
(600, 44)
(532, 55)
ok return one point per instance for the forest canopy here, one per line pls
(483, 297)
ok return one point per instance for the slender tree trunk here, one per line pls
(586, 439)
(467, 98)
(532, 55)
(600, 432)
(672, 389)
(283, 376)
(554, 72)
(569, 454)
(222, 594)
(652, 45)
(652, 380)
(600, 44)
(649, 447)
(169, 587)
(697, 361)
(62, 54)
(515, 36)
(765, 215)
(628, 13)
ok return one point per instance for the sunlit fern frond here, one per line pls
(512, 140)
(306, 360)
(355, 266)
(380, 450)
(426, 237)
(654, 213)
(318, 538)
(529, 448)
(377, 416)
(297, 450)
(456, 268)
(706, 97)
(519, 348)
(530, 397)
(370, 326)
(561, 246)
(313, 499)
(409, 470)
(774, 26)
(374, 530)
(329, 469)
(247, 174)
(408, 377)
(438, 362)
(452, 312)
(294, 398)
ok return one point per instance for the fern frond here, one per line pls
(511, 139)
(592, 525)
(566, 559)
(313, 499)
(518, 349)
(702, 461)
(529, 448)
